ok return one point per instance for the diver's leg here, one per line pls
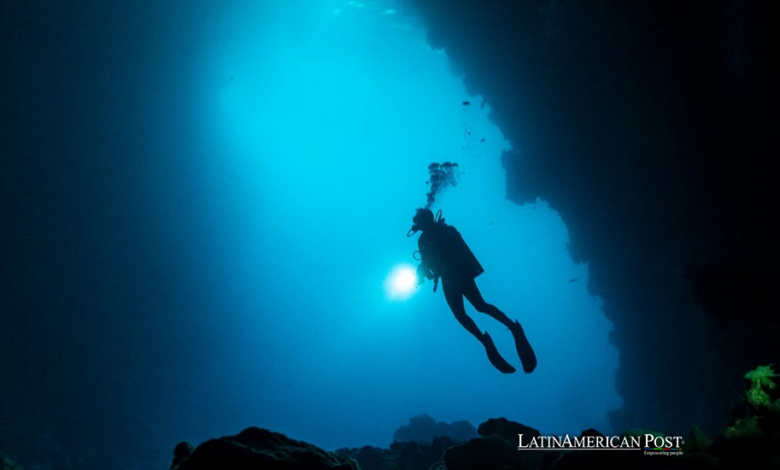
(453, 292)
(471, 291)
(524, 350)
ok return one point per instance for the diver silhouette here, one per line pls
(444, 254)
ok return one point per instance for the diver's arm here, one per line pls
(423, 272)
(429, 261)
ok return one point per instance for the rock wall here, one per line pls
(651, 128)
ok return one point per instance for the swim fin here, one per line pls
(524, 349)
(494, 356)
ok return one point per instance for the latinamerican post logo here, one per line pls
(650, 444)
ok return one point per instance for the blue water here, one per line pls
(322, 119)
(225, 193)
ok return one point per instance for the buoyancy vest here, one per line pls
(445, 253)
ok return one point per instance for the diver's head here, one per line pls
(423, 219)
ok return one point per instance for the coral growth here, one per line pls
(761, 382)
(7, 464)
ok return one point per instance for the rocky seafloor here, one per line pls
(750, 441)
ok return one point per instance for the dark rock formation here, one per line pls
(256, 448)
(751, 441)
(416, 456)
(181, 452)
(487, 453)
(371, 458)
(416, 446)
(579, 460)
(496, 449)
(651, 127)
(424, 429)
(591, 432)
(400, 455)
(507, 430)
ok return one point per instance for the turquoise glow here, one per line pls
(320, 120)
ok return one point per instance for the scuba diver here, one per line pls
(444, 254)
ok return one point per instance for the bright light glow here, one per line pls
(401, 282)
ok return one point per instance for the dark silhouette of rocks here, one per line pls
(255, 448)
(497, 448)
(751, 440)
(424, 429)
(651, 127)
(507, 430)
(401, 455)
(372, 458)
(181, 452)
(489, 452)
